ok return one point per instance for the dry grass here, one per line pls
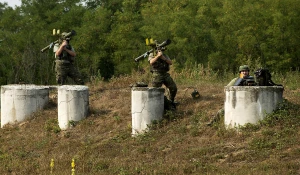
(102, 143)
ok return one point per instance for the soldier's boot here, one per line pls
(169, 105)
(216, 117)
(212, 121)
(173, 93)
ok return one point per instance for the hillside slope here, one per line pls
(181, 144)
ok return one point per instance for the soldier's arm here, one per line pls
(62, 47)
(155, 58)
(161, 56)
(166, 59)
(232, 82)
(71, 52)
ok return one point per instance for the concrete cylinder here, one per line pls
(147, 105)
(72, 104)
(249, 104)
(20, 101)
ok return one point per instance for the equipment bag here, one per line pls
(263, 78)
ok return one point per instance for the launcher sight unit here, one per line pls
(155, 46)
(63, 36)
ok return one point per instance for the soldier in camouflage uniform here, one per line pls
(64, 67)
(243, 73)
(160, 65)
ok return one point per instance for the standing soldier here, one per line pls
(160, 65)
(65, 57)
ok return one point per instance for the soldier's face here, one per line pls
(244, 73)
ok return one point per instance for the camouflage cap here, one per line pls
(244, 67)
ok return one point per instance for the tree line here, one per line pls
(219, 34)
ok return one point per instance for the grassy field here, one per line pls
(182, 144)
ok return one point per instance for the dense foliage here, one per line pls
(220, 34)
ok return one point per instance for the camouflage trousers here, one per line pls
(64, 70)
(164, 78)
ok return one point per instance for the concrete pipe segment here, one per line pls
(20, 101)
(73, 104)
(147, 105)
(249, 104)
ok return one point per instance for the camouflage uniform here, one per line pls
(64, 67)
(161, 76)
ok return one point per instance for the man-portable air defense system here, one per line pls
(63, 36)
(155, 47)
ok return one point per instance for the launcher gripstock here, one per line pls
(66, 35)
(154, 48)
(245, 81)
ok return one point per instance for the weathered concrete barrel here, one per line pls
(249, 104)
(18, 101)
(72, 104)
(147, 105)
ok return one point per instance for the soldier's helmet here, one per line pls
(244, 67)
